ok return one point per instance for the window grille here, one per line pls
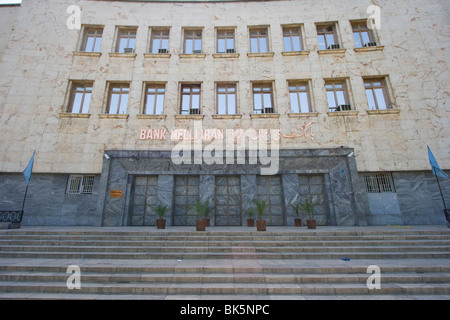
(80, 184)
(379, 182)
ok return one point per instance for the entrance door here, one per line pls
(144, 200)
(312, 188)
(269, 189)
(186, 193)
(228, 201)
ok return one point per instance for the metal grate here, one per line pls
(80, 184)
(379, 182)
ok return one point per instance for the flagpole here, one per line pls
(442, 196)
(25, 197)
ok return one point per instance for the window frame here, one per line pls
(85, 184)
(156, 86)
(383, 86)
(258, 36)
(261, 86)
(193, 37)
(379, 183)
(121, 86)
(307, 90)
(191, 94)
(227, 93)
(230, 33)
(73, 92)
(344, 89)
(120, 35)
(360, 27)
(322, 30)
(86, 36)
(290, 35)
(159, 33)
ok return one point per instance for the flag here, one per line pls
(28, 169)
(434, 165)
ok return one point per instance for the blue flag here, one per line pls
(29, 169)
(434, 165)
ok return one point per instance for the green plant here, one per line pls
(260, 207)
(297, 207)
(250, 212)
(308, 207)
(161, 210)
(202, 208)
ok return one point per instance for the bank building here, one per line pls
(130, 104)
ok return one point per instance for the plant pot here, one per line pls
(200, 225)
(298, 222)
(261, 225)
(207, 222)
(250, 222)
(311, 224)
(160, 223)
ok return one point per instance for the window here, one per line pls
(363, 35)
(190, 98)
(337, 96)
(262, 98)
(159, 41)
(154, 99)
(126, 41)
(225, 41)
(259, 41)
(376, 94)
(80, 184)
(92, 39)
(118, 98)
(379, 183)
(326, 34)
(80, 97)
(299, 96)
(193, 41)
(292, 39)
(226, 99)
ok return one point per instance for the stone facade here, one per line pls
(40, 59)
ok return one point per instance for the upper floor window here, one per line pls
(225, 41)
(362, 35)
(190, 98)
(159, 40)
(80, 97)
(259, 41)
(126, 40)
(92, 39)
(299, 97)
(226, 98)
(292, 39)
(193, 41)
(154, 99)
(326, 34)
(262, 98)
(118, 98)
(337, 96)
(376, 93)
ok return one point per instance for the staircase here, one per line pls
(225, 263)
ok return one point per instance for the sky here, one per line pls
(10, 2)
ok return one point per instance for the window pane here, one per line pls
(159, 104)
(330, 39)
(287, 44)
(221, 45)
(257, 102)
(185, 104)
(267, 100)
(98, 42)
(230, 43)
(221, 104)
(149, 108)
(77, 102)
(155, 45)
(89, 44)
(123, 104)
(263, 44)
(340, 97)
(365, 36)
(87, 100)
(304, 103)
(122, 45)
(294, 102)
(254, 45)
(370, 100)
(114, 103)
(380, 99)
(322, 45)
(296, 43)
(331, 100)
(188, 47)
(357, 38)
(198, 44)
(231, 104)
(132, 43)
(165, 44)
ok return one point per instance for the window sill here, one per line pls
(189, 116)
(348, 113)
(264, 115)
(112, 116)
(331, 51)
(227, 116)
(303, 115)
(192, 55)
(295, 53)
(226, 55)
(157, 55)
(67, 115)
(260, 54)
(383, 111)
(122, 55)
(152, 116)
(87, 54)
(369, 49)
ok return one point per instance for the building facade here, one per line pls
(130, 104)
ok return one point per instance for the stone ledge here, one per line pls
(112, 116)
(87, 54)
(227, 116)
(264, 115)
(331, 51)
(189, 116)
(66, 115)
(295, 53)
(260, 54)
(226, 55)
(349, 113)
(369, 49)
(157, 55)
(303, 115)
(152, 116)
(192, 55)
(122, 55)
(383, 111)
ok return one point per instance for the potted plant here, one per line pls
(260, 207)
(249, 213)
(161, 211)
(308, 207)
(297, 207)
(203, 209)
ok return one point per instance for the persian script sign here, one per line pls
(116, 194)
